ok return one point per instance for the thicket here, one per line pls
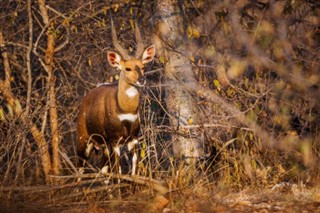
(260, 57)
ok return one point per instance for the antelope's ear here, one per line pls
(114, 59)
(148, 54)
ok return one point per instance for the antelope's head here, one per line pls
(131, 67)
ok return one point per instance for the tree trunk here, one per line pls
(51, 82)
(178, 71)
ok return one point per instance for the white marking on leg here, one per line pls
(117, 150)
(134, 163)
(88, 149)
(120, 171)
(131, 144)
(117, 153)
(128, 116)
(132, 92)
(106, 182)
(104, 170)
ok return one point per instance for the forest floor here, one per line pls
(282, 197)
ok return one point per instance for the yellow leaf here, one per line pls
(115, 7)
(142, 153)
(226, 27)
(89, 62)
(292, 133)
(230, 91)
(161, 59)
(144, 145)
(216, 83)
(191, 58)
(18, 106)
(105, 10)
(251, 136)
(193, 32)
(143, 150)
(2, 117)
(131, 10)
(66, 22)
(132, 24)
(10, 111)
(189, 32)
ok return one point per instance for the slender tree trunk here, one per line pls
(51, 82)
(178, 72)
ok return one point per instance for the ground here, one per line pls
(282, 197)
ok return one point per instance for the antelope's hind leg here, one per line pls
(106, 163)
(117, 155)
(82, 158)
(133, 148)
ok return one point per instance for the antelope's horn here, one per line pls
(116, 44)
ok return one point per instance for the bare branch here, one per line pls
(29, 59)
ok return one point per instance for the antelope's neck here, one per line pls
(128, 97)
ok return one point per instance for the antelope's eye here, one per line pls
(128, 69)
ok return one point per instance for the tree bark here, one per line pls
(178, 71)
(51, 82)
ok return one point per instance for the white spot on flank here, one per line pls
(131, 144)
(129, 117)
(132, 92)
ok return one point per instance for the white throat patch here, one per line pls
(129, 117)
(132, 92)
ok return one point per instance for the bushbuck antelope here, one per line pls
(108, 116)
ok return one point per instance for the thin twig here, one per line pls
(29, 59)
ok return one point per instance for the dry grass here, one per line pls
(252, 82)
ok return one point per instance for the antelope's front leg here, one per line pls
(133, 148)
(117, 153)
